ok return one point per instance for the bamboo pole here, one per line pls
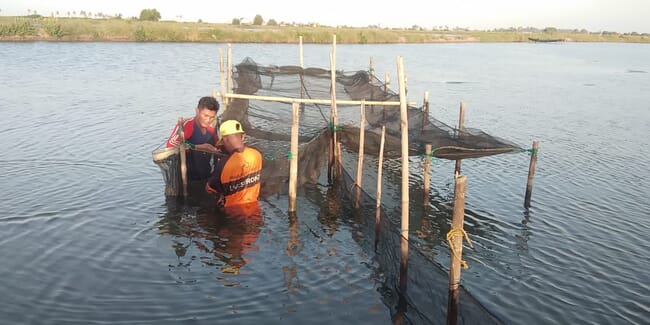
(362, 136)
(427, 177)
(372, 71)
(425, 110)
(380, 167)
(386, 81)
(531, 174)
(182, 147)
(405, 171)
(293, 164)
(334, 112)
(461, 125)
(302, 75)
(230, 81)
(456, 241)
(313, 101)
(222, 75)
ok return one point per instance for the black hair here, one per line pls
(208, 102)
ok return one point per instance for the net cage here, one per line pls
(268, 123)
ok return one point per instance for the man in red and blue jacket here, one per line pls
(200, 133)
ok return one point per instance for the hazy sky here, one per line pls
(593, 15)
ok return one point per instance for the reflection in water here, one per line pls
(224, 236)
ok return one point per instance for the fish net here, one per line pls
(268, 123)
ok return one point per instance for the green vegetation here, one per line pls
(150, 15)
(36, 27)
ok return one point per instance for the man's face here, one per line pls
(233, 141)
(205, 117)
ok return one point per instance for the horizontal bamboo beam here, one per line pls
(312, 101)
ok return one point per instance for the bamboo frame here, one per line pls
(404, 231)
(380, 167)
(222, 78)
(362, 137)
(427, 176)
(461, 125)
(181, 148)
(311, 101)
(334, 110)
(230, 81)
(293, 163)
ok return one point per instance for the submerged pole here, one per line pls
(293, 156)
(461, 125)
(362, 136)
(531, 174)
(455, 239)
(380, 166)
(181, 147)
(404, 126)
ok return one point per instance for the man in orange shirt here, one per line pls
(236, 177)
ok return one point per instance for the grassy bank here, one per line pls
(84, 29)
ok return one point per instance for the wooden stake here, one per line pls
(386, 82)
(230, 82)
(380, 167)
(334, 114)
(427, 168)
(313, 101)
(293, 163)
(222, 75)
(405, 149)
(372, 72)
(362, 136)
(458, 219)
(302, 76)
(182, 147)
(461, 125)
(425, 110)
(531, 174)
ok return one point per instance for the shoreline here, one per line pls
(53, 29)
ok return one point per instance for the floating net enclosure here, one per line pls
(268, 123)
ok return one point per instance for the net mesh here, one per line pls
(268, 123)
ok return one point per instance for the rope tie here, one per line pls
(289, 155)
(458, 232)
(269, 157)
(189, 145)
(431, 156)
(335, 128)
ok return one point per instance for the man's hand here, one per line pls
(206, 147)
(210, 189)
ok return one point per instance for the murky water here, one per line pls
(86, 234)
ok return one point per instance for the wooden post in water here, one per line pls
(302, 75)
(425, 110)
(334, 120)
(230, 82)
(456, 240)
(404, 126)
(380, 167)
(362, 136)
(222, 75)
(372, 71)
(461, 125)
(427, 177)
(293, 156)
(531, 174)
(181, 148)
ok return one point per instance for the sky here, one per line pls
(622, 16)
